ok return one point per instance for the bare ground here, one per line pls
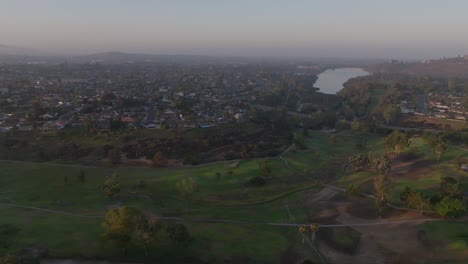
(397, 243)
(413, 169)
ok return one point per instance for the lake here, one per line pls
(331, 81)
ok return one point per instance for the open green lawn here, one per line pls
(220, 197)
(225, 197)
(455, 234)
(69, 236)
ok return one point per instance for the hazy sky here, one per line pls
(315, 28)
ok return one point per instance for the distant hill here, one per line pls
(14, 55)
(110, 57)
(122, 57)
(447, 67)
(12, 50)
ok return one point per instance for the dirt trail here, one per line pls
(325, 194)
(378, 244)
(367, 252)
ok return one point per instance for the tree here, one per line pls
(418, 201)
(449, 187)
(111, 186)
(313, 230)
(82, 177)
(376, 162)
(298, 141)
(147, 229)
(265, 167)
(360, 127)
(245, 152)
(303, 230)
(397, 141)
(352, 190)
(114, 156)
(451, 207)
(358, 161)
(381, 191)
(406, 192)
(187, 187)
(87, 126)
(159, 160)
(440, 148)
(380, 163)
(120, 225)
(179, 234)
(438, 144)
(248, 150)
(390, 113)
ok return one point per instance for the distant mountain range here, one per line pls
(12, 50)
(11, 54)
(122, 57)
(444, 67)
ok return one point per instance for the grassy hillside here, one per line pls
(292, 185)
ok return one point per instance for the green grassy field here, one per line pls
(294, 177)
(225, 197)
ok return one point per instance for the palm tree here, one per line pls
(314, 229)
(303, 230)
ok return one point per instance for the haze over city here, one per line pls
(397, 29)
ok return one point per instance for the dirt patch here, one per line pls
(365, 208)
(400, 239)
(341, 197)
(324, 195)
(390, 243)
(414, 169)
(366, 253)
(325, 215)
(318, 207)
(342, 239)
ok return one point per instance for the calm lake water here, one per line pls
(331, 81)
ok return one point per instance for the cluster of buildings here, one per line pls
(438, 105)
(52, 97)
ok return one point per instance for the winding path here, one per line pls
(243, 222)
